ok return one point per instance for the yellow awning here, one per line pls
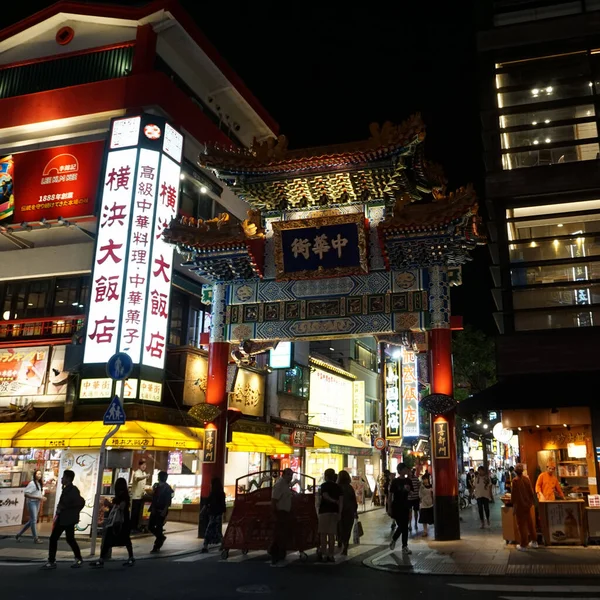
(258, 442)
(89, 434)
(8, 432)
(326, 440)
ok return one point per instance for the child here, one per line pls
(426, 499)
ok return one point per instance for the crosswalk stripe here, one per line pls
(528, 589)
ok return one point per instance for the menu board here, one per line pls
(11, 506)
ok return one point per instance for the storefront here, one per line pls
(56, 446)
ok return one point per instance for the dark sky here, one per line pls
(326, 70)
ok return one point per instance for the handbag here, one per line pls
(357, 532)
(116, 517)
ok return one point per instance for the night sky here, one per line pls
(326, 70)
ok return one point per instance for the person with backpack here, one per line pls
(216, 507)
(67, 516)
(161, 501)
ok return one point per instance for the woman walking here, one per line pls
(118, 526)
(483, 493)
(330, 510)
(349, 511)
(426, 502)
(34, 494)
(216, 507)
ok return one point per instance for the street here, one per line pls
(214, 578)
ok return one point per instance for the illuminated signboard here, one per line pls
(281, 357)
(96, 389)
(131, 281)
(410, 394)
(330, 401)
(393, 426)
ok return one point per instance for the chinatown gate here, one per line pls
(341, 241)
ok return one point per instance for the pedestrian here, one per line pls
(161, 501)
(522, 496)
(426, 500)
(471, 484)
(281, 503)
(215, 507)
(413, 499)
(483, 492)
(138, 491)
(34, 495)
(68, 508)
(494, 482)
(118, 526)
(330, 509)
(400, 507)
(386, 480)
(349, 510)
(508, 477)
(547, 485)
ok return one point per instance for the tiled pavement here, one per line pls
(481, 552)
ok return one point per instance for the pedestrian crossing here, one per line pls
(531, 592)
(355, 553)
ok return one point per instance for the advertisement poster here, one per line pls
(7, 199)
(84, 463)
(23, 371)
(57, 376)
(56, 182)
(331, 400)
(563, 523)
(359, 489)
(12, 502)
(175, 465)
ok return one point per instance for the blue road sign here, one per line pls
(119, 366)
(114, 415)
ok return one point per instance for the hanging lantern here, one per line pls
(204, 413)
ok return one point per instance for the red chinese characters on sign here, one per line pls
(56, 182)
(139, 265)
(410, 394)
(161, 266)
(111, 257)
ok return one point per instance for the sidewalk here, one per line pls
(182, 539)
(479, 552)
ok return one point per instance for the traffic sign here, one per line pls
(379, 443)
(114, 415)
(119, 366)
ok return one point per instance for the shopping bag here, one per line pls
(357, 532)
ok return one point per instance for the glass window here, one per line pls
(545, 117)
(555, 249)
(37, 298)
(549, 156)
(556, 296)
(555, 273)
(195, 202)
(546, 93)
(66, 296)
(554, 227)
(365, 357)
(294, 381)
(558, 319)
(542, 136)
(176, 319)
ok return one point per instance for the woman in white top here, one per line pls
(34, 494)
(483, 493)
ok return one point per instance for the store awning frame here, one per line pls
(342, 444)
(89, 434)
(257, 442)
(8, 431)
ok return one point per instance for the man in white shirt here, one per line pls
(138, 489)
(281, 502)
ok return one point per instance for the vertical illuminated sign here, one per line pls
(393, 427)
(131, 281)
(410, 394)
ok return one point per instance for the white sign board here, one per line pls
(331, 400)
(12, 501)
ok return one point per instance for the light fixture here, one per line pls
(549, 89)
(30, 304)
(547, 121)
(485, 425)
(535, 142)
(74, 304)
(182, 177)
(6, 315)
(547, 140)
(588, 113)
(203, 190)
(519, 428)
(564, 424)
(61, 301)
(396, 354)
(535, 91)
(332, 349)
(60, 322)
(555, 242)
(26, 226)
(560, 225)
(478, 422)
(45, 223)
(269, 369)
(534, 123)
(533, 245)
(590, 83)
(538, 426)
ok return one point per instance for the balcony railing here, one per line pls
(40, 328)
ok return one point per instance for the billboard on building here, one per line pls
(7, 204)
(410, 394)
(331, 400)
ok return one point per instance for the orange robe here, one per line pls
(522, 500)
(547, 485)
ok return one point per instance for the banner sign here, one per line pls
(441, 440)
(320, 247)
(131, 281)
(56, 182)
(23, 370)
(7, 198)
(393, 426)
(410, 394)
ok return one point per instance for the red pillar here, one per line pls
(216, 394)
(445, 470)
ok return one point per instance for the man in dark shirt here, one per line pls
(400, 507)
(161, 501)
(330, 510)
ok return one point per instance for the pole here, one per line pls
(96, 509)
(445, 468)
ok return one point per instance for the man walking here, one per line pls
(400, 507)
(67, 516)
(161, 501)
(522, 500)
(281, 502)
(138, 489)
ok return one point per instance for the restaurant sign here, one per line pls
(248, 394)
(410, 394)
(441, 439)
(320, 247)
(393, 425)
(131, 281)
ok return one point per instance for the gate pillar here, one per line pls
(443, 430)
